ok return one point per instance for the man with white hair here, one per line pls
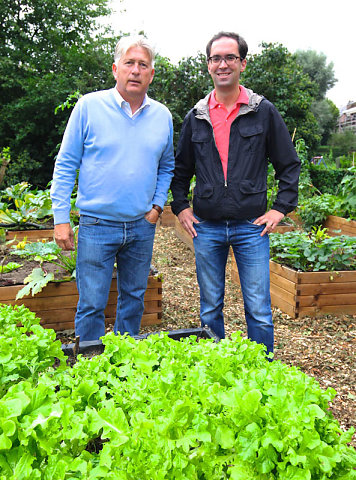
(121, 141)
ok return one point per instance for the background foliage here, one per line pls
(50, 49)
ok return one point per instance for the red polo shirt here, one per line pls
(222, 120)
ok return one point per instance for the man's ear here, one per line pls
(114, 70)
(243, 64)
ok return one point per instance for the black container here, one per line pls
(97, 346)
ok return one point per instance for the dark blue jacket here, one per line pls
(258, 135)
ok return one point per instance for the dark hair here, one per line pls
(241, 43)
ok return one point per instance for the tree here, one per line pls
(180, 86)
(48, 49)
(327, 114)
(275, 74)
(315, 65)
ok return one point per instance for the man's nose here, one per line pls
(136, 68)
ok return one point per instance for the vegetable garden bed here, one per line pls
(56, 304)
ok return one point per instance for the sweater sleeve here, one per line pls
(184, 168)
(66, 166)
(285, 161)
(165, 170)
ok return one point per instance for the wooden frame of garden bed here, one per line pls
(301, 294)
(346, 227)
(31, 235)
(56, 304)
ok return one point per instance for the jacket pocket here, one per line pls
(204, 191)
(252, 196)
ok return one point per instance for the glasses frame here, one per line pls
(223, 58)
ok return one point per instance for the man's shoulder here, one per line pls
(159, 107)
(97, 96)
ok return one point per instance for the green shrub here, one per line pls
(326, 180)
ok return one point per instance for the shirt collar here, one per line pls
(124, 104)
(243, 98)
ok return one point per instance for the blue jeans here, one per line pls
(252, 258)
(100, 244)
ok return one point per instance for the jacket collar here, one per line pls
(201, 109)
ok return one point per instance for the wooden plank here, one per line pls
(183, 235)
(283, 294)
(235, 277)
(167, 218)
(282, 282)
(347, 227)
(284, 306)
(283, 271)
(32, 235)
(331, 309)
(325, 288)
(327, 277)
(322, 300)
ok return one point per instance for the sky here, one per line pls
(182, 28)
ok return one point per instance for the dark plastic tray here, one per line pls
(72, 349)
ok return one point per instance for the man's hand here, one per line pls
(187, 221)
(64, 236)
(271, 219)
(152, 216)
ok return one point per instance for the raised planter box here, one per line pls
(31, 235)
(301, 294)
(57, 303)
(167, 218)
(183, 234)
(346, 227)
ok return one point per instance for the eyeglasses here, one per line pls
(229, 59)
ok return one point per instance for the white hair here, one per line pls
(125, 43)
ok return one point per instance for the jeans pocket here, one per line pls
(251, 220)
(86, 220)
(149, 223)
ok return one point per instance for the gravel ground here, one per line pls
(321, 347)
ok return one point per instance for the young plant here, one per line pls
(45, 252)
(315, 251)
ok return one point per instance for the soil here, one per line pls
(323, 347)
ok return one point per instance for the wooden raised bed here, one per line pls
(301, 294)
(167, 218)
(346, 227)
(183, 235)
(57, 303)
(31, 235)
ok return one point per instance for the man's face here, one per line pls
(226, 76)
(133, 73)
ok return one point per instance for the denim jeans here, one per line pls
(100, 244)
(252, 258)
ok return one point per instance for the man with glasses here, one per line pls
(121, 142)
(227, 140)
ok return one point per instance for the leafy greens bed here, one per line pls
(160, 409)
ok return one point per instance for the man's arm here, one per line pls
(164, 175)
(67, 163)
(282, 154)
(183, 172)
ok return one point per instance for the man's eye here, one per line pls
(230, 57)
(129, 62)
(143, 65)
(216, 58)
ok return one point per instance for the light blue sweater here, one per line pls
(126, 164)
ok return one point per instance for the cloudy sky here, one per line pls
(182, 28)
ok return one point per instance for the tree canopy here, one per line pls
(315, 65)
(48, 49)
(275, 74)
